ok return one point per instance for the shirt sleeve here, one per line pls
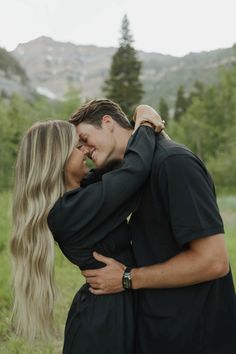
(189, 197)
(89, 214)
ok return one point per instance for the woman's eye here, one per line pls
(79, 146)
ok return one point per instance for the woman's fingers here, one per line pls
(146, 114)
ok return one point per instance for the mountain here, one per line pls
(55, 67)
(13, 78)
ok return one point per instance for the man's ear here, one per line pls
(108, 122)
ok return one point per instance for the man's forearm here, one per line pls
(187, 268)
(206, 259)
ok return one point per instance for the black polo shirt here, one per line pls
(178, 206)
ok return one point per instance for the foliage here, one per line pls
(17, 115)
(68, 280)
(207, 124)
(163, 110)
(181, 103)
(123, 84)
(208, 127)
(70, 103)
(10, 66)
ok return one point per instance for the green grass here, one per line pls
(227, 205)
(68, 280)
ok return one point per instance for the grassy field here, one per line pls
(68, 281)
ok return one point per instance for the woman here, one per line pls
(81, 220)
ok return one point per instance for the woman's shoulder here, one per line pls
(58, 214)
(95, 175)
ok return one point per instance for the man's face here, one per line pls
(99, 142)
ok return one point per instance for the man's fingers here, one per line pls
(94, 285)
(89, 273)
(99, 257)
(97, 291)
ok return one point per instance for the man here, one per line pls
(187, 300)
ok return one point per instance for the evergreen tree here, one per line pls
(71, 102)
(164, 110)
(181, 104)
(197, 91)
(123, 84)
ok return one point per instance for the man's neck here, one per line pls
(122, 138)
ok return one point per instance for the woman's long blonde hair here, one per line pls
(39, 182)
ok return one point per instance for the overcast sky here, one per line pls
(174, 27)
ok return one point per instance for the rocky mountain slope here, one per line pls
(55, 67)
(13, 78)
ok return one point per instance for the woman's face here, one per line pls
(76, 168)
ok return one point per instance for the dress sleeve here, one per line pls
(95, 175)
(89, 214)
(189, 197)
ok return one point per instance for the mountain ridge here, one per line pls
(58, 66)
(13, 77)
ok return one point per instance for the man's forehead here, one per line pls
(85, 128)
(81, 130)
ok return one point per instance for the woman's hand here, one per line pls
(147, 115)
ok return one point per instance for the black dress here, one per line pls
(94, 218)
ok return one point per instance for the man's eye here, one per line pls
(83, 140)
(79, 146)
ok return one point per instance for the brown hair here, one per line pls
(93, 111)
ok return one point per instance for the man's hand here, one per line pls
(106, 280)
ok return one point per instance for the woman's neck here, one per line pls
(72, 184)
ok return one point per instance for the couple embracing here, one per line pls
(159, 283)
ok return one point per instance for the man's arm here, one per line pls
(185, 186)
(206, 259)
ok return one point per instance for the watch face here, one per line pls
(126, 283)
(127, 279)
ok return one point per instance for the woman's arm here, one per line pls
(100, 207)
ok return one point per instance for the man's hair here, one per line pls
(93, 111)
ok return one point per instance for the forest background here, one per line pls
(203, 118)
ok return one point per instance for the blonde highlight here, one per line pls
(39, 182)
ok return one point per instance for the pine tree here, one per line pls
(197, 91)
(123, 84)
(164, 110)
(181, 104)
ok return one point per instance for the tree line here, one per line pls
(203, 119)
(17, 115)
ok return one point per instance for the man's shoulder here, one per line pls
(166, 148)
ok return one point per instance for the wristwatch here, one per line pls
(126, 280)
